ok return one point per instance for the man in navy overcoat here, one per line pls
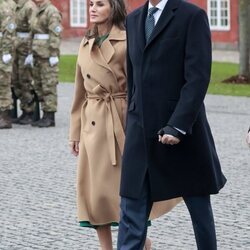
(169, 149)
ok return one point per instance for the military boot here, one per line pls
(5, 119)
(27, 118)
(17, 119)
(48, 120)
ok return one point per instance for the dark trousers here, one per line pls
(135, 213)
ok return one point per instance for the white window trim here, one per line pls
(219, 27)
(78, 24)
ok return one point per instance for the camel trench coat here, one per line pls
(97, 121)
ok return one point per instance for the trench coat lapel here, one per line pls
(96, 55)
(107, 51)
(166, 16)
(107, 48)
(102, 56)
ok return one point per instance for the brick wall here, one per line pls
(133, 4)
(64, 7)
(228, 39)
(221, 39)
(225, 39)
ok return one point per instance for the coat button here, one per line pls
(93, 123)
(88, 75)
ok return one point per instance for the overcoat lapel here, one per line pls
(165, 18)
(140, 21)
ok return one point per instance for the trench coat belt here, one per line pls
(114, 128)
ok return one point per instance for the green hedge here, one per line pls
(220, 72)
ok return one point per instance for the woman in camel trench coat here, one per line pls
(97, 126)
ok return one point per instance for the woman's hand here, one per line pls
(74, 147)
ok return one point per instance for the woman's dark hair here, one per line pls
(118, 13)
(117, 17)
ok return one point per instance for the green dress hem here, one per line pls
(113, 224)
(88, 224)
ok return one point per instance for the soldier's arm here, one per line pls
(8, 29)
(55, 30)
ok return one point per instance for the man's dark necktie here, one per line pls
(150, 22)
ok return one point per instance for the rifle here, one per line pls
(14, 98)
(36, 115)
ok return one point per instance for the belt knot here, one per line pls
(107, 97)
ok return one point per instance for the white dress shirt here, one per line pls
(160, 7)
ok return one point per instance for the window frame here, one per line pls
(219, 26)
(78, 23)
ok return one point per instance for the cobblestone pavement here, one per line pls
(37, 186)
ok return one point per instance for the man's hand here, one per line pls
(74, 147)
(168, 139)
(169, 135)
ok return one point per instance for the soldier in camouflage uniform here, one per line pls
(12, 5)
(7, 30)
(21, 77)
(46, 42)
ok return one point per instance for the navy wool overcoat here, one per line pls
(167, 81)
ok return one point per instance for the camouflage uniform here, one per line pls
(12, 5)
(21, 77)
(46, 47)
(7, 30)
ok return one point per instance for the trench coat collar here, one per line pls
(166, 16)
(115, 35)
(104, 56)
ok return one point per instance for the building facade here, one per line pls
(224, 21)
(222, 14)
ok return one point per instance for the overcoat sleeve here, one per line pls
(78, 100)
(197, 70)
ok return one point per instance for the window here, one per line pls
(219, 14)
(78, 13)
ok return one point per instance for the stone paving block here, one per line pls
(37, 186)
